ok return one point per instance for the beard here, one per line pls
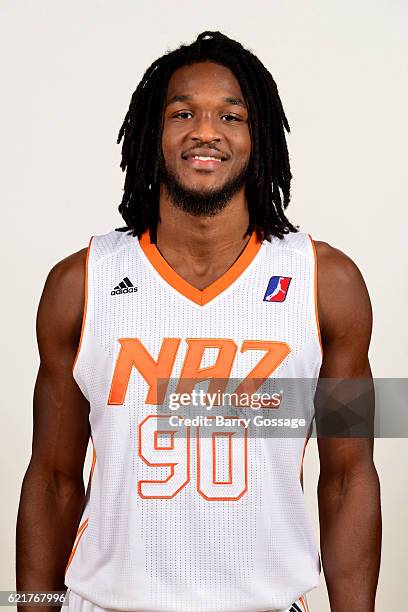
(202, 202)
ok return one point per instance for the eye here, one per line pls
(181, 114)
(229, 118)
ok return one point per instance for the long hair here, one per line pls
(267, 190)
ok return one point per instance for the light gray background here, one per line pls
(68, 71)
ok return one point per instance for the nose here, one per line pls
(205, 130)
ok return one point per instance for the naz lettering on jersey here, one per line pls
(176, 455)
(133, 354)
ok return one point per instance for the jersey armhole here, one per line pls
(316, 308)
(85, 308)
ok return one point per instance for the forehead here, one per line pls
(201, 78)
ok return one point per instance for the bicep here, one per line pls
(345, 314)
(344, 393)
(60, 411)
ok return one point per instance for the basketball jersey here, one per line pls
(206, 517)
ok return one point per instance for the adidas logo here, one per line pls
(126, 286)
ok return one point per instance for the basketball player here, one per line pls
(208, 281)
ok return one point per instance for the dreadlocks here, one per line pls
(269, 168)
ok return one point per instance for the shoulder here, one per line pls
(343, 298)
(66, 279)
(65, 283)
(68, 272)
(61, 306)
(335, 265)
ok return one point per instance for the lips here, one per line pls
(204, 159)
(204, 163)
(205, 155)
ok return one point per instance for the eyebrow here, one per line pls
(233, 100)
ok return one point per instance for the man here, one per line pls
(208, 281)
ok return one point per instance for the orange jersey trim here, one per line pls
(93, 461)
(78, 537)
(315, 294)
(85, 304)
(84, 524)
(304, 450)
(200, 297)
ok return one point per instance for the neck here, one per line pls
(202, 237)
(202, 248)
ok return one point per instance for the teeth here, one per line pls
(202, 158)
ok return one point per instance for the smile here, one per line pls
(204, 162)
(206, 158)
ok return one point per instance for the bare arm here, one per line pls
(348, 489)
(52, 493)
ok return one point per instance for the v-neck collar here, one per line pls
(201, 297)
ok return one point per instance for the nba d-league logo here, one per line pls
(277, 288)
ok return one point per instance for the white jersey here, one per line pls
(207, 516)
